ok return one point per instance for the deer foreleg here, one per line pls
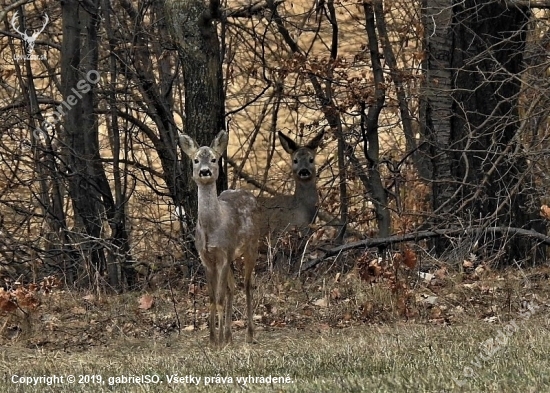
(211, 281)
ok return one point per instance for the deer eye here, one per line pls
(196, 161)
(213, 160)
(295, 161)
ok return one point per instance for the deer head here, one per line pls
(303, 157)
(205, 159)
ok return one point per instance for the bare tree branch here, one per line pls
(10, 7)
(252, 9)
(528, 3)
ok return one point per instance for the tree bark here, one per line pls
(437, 103)
(191, 23)
(88, 185)
(120, 265)
(471, 119)
(369, 121)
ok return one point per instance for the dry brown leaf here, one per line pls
(50, 283)
(189, 328)
(397, 259)
(480, 270)
(78, 310)
(467, 264)
(238, 324)
(26, 298)
(335, 294)
(368, 307)
(545, 211)
(409, 258)
(193, 289)
(6, 304)
(372, 271)
(401, 305)
(435, 312)
(146, 302)
(89, 298)
(440, 273)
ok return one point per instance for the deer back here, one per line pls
(238, 209)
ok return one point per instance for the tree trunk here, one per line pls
(473, 80)
(120, 260)
(191, 25)
(369, 121)
(88, 185)
(51, 195)
(437, 104)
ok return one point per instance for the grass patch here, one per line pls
(336, 334)
(358, 359)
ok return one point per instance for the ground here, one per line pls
(371, 329)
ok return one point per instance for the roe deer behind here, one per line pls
(284, 212)
(225, 226)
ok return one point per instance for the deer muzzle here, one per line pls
(304, 173)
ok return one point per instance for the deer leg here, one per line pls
(221, 290)
(249, 262)
(229, 305)
(211, 280)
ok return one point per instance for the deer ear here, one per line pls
(220, 142)
(315, 142)
(188, 145)
(288, 144)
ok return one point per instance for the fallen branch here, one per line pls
(417, 236)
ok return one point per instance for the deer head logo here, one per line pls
(29, 39)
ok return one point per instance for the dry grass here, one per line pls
(343, 345)
(399, 358)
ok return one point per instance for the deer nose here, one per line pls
(205, 173)
(304, 173)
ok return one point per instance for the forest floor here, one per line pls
(370, 329)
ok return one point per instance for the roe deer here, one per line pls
(283, 212)
(225, 226)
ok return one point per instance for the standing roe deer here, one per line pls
(283, 212)
(225, 225)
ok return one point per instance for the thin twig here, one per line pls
(175, 308)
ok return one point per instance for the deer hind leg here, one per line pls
(229, 305)
(221, 292)
(249, 262)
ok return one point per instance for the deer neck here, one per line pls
(305, 192)
(209, 210)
